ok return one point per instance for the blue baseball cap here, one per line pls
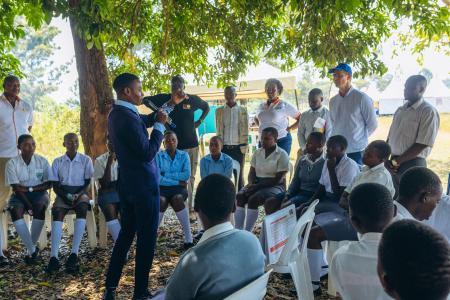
(341, 67)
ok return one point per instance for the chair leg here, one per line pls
(299, 270)
(69, 221)
(102, 230)
(4, 225)
(91, 229)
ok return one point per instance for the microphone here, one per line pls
(165, 107)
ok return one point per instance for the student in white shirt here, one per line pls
(70, 176)
(374, 158)
(419, 193)
(353, 268)
(27, 174)
(275, 113)
(317, 118)
(414, 262)
(106, 175)
(331, 220)
(266, 179)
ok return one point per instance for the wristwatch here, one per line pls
(30, 189)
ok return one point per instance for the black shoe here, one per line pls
(187, 246)
(72, 264)
(31, 259)
(3, 261)
(144, 296)
(110, 294)
(35, 253)
(53, 265)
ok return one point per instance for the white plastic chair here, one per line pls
(236, 174)
(255, 290)
(291, 171)
(331, 248)
(294, 261)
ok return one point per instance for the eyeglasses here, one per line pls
(335, 75)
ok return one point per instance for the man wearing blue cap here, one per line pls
(352, 113)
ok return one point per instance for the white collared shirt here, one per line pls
(14, 121)
(353, 116)
(215, 230)
(72, 172)
(231, 125)
(277, 161)
(35, 173)
(378, 174)
(346, 170)
(440, 219)
(418, 123)
(307, 123)
(402, 213)
(277, 116)
(100, 166)
(353, 269)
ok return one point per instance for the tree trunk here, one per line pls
(94, 90)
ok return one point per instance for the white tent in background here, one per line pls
(438, 94)
(372, 92)
(392, 97)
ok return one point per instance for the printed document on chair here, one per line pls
(277, 229)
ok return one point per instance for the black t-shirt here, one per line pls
(183, 117)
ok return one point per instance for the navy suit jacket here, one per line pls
(138, 172)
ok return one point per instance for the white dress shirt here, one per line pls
(440, 219)
(346, 171)
(35, 173)
(276, 115)
(354, 269)
(14, 121)
(353, 116)
(231, 125)
(378, 174)
(402, 213)
(72, 172)
(277, 161)
(100, 166)
(307, 121)
(418, 123)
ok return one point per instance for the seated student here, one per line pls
(440, 220)
(267, 178)
(414, 262)
(306, 176)
(374, 171)
(354, 266)
(70, 175)
(200, 272)
(27, 174)
(420, 191)
(216, 162)
(106, 174)
(175, 171)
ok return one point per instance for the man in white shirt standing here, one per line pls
(354, 266)
(352, 113)
(16, 118)
(232, 127)
(413, 130)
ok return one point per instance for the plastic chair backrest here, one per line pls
(291, 246)
(255, 290)
(236, 172)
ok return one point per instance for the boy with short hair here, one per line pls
(374, 171)
(27, 174)
(414, 262)
(354, 266)
(71, 175)
(317, 118)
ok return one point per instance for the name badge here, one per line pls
(186, 106)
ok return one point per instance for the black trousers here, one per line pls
(139, 216)
(416, 162)
(235, 153)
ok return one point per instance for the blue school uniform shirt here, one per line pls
(224, 166)
(173, 171)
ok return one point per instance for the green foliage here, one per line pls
(51, 123)
(34, 52)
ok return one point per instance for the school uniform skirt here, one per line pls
(36, 198)
(170, 191)
(108, 197)
(334, 220)
(60, 203)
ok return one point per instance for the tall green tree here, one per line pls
(41, 75)
(215, 40)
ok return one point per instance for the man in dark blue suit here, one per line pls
(138, 183)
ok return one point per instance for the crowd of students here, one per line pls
(373, 195)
